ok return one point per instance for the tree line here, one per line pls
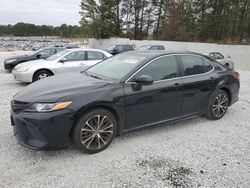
(179, 20)
(26, 29)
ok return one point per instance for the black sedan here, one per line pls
(10, 63)
(126, 92)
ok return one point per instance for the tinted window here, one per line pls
(93, 55)
(154, 48)
(161, 68)
(46, 52)
(76, 56)
(127, 48)
(192, 65)
(157, 48)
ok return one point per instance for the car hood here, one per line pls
(19, 57)
(32, 63)
(54, 88)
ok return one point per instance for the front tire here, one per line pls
(95, 131)
(218, 105)
(39, 75)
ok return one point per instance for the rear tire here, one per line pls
(94, 131)
(218, 105)
(39, 75)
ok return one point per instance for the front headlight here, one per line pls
(22, 69)
(10, 61)
(48, 107)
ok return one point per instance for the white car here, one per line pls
(221, 59)
(70, 60)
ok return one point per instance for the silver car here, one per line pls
(70, 60)
(221, 59)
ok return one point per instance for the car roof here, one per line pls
(156, 53)
(83, 49)
(152, 45)
(122, 45)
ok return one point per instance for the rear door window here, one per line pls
(93, 55)
(207, 66)
(193, 65)
(76, 56)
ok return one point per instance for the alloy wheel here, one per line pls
(220, 105)
(96, 132)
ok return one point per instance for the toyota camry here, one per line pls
(129, 91)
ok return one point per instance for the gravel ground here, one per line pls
(193, 153)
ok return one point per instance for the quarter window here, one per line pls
(161, 68)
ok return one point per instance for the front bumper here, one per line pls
(43, 131)
(23, 76)
(8, 66)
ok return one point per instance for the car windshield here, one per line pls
(57, 55)
(116, 67)
(143, 48)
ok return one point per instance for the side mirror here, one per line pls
(144, 80)
(63, 60)
(38, 56)
(115, 50)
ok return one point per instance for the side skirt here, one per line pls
(163, 122)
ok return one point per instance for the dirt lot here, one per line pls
(194, 153)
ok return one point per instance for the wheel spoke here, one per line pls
(88, 130)
(224, 99)
(87, 123)
(218, 112)
(103, 120)
(102, 140)
(222, 109)
(98, 121)
(98, 140)
(107, 127)
(83, 142)
(92, 138)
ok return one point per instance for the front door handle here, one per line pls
(212, 80)
(177, 85)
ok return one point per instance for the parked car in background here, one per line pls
(11, 62)
(65, 61)
(116, 49)
(150, 47)
(126, 92)
(221, 59)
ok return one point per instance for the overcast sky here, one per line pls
(48, 12)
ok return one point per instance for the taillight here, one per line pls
(236, 75)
